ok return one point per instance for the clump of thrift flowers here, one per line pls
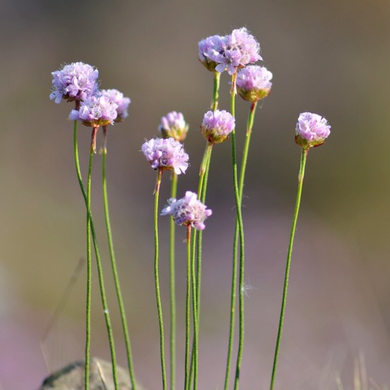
(166, 154)
(311, 130)
(217, 125)
(96, 111)
(174, 126)
(75, 81)
(187, 211)
(120, 100)
(229, 52)
(254, 83)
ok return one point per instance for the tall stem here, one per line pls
(197, 252)
(241, 236)
(113, 265)
(87, 199)
(236, 233)
(99, 264)
(188, 312)
(288, 262)
(217, 79)
(173, 285)
(157, 281)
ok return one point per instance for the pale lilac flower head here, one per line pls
(311, 130)
(209, 49)
(187, 211)
(122, 102)
(96, 111)
(75, 81)
(240, 49)
(253, 83)
(166, 154)
(173, 125)
(217, 125)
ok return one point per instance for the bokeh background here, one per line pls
(329, 57)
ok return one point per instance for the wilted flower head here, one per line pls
(96, 111)
(122, 102)
(173, 125)
(253, 83)
(187, 211)
(217, 125)
(311, 130)
(75, 81)
(229, 52)
(166, 154)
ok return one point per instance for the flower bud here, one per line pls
(253, 83)
(174, 126)
(311, 130)
(217, 125)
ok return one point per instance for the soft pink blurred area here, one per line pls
(329, 57)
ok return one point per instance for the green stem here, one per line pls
(87, 199)
(157, 282)
(195, 303)
(288, 262)
(113, 265)
(197, 250)
(99, 264)
(188, 312)
(217, 79)
(90, 229)
(236, 231)
(241, 236)
(173, 285)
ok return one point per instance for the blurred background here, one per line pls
(329, 57)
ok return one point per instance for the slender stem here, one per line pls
(173, 285)
(157, 282)
(87, 200)
(195, 303)
(288, 262)
(236, 231)
(241, 236)
(188, 312)
(197, 238)
(98, 262)
(217, 79)
(113, 265)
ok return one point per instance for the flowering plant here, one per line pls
(236, 53)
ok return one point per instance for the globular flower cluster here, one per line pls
(187, 211)
(311, 130)
(166, 154)
(229, 52)
(217, 125)
(120, 100)
(75, 81)
(174, 126)
(94, 108)
(96, 111)
(254, 83)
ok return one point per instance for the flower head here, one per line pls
(217, 125)
(173, 125)
(187, 211)
(209, 48)
(229, 52)
(311, 130)
(75, 81)
(166, 154)
(253, 83)
(97, 110)
(122, 102)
